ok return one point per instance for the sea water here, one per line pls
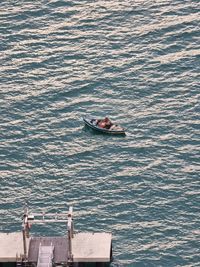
(137, 62)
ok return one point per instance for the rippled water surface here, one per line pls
(137, 62)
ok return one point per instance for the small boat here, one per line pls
(93, 123)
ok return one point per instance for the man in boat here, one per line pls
(105, 123)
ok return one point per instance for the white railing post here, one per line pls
(70, 231)
(24, 231)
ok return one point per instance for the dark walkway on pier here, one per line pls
(60, 244)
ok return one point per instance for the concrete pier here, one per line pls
(73, 249)
(11, 245)
(91, 247)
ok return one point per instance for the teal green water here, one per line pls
(137, 62)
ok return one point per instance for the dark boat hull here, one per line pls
(89, 123)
